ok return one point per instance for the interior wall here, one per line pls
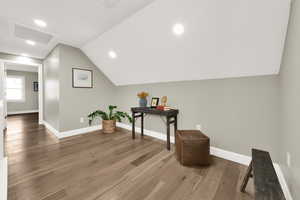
(1, 110)
(31, 97)
(290, 102)
(51, 88)
(76, 103)
(237, 114)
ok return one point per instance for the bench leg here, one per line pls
(246, 178)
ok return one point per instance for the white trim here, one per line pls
(51, 129)
(69, 133)
(22, 112)
(3, 178)
(79, 131)
(283, 182)
(228, 155)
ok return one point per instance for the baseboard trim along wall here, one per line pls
(3, 178)
(69, 133)
(22, 112)
(228, 155)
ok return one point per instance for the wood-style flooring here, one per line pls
(108, 167)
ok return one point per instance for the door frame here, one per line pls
(27, 61)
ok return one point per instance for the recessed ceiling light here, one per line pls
(24, 54)
(30, 42)
(178, 29)
(112, 54)
(40, 23)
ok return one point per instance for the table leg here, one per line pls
(133, 126)
(246, 178)
(175, 127)
(142, 124)
(168, 134)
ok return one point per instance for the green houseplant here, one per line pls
(109, 118)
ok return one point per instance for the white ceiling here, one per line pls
(72, 22)
(19, 67)
(222, 39)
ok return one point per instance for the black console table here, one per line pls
(171, 116)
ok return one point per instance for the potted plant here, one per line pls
(109, 119)
(143, 99)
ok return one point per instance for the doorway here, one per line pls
(23, 88)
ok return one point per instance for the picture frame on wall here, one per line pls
(154, 102)
(35, 86)
(82, 78)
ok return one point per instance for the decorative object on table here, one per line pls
(35, 86)
(143, 99)
(192, 147)
(154, 102)
(164, 100)
(82, 78)
(109, 119)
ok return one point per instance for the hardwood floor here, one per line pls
(108, 167)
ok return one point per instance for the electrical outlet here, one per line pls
(288, 159)
(81, 119)
(199, 127)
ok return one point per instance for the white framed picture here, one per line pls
(82, 78)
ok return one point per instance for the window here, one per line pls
(15, 88)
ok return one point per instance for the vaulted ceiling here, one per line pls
(133, 41)
(221, 39)
(73, 22)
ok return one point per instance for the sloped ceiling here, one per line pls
(72, 22)
(231, 38)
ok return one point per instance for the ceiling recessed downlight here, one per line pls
(30, 42)
(24, 54)
(40, 23)
(178, 29)
(112, 54)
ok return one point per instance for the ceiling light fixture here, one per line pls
(178, 29)
(112, 54)
(40, 23)
(30, 42)
(24, 54)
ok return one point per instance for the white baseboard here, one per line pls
(283, 182)
(228, 155)
(65, 134)
(3, 178)
(22, 112)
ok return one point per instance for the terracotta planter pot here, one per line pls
(108, 126)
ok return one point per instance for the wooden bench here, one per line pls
(266, 183)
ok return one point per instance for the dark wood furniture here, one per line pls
(171, 116)
(266, 183)
(192, 147)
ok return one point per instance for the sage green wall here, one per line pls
(65, 105)
(31, 97)
(237, 114)
(51, 88)
(290, 99)
(78, 102)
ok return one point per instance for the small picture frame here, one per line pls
(82, 78)
(154, 102)
(35, 86)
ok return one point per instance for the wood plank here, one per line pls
(266, 182)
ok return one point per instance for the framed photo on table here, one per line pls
(154, 102)
(82, 78)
